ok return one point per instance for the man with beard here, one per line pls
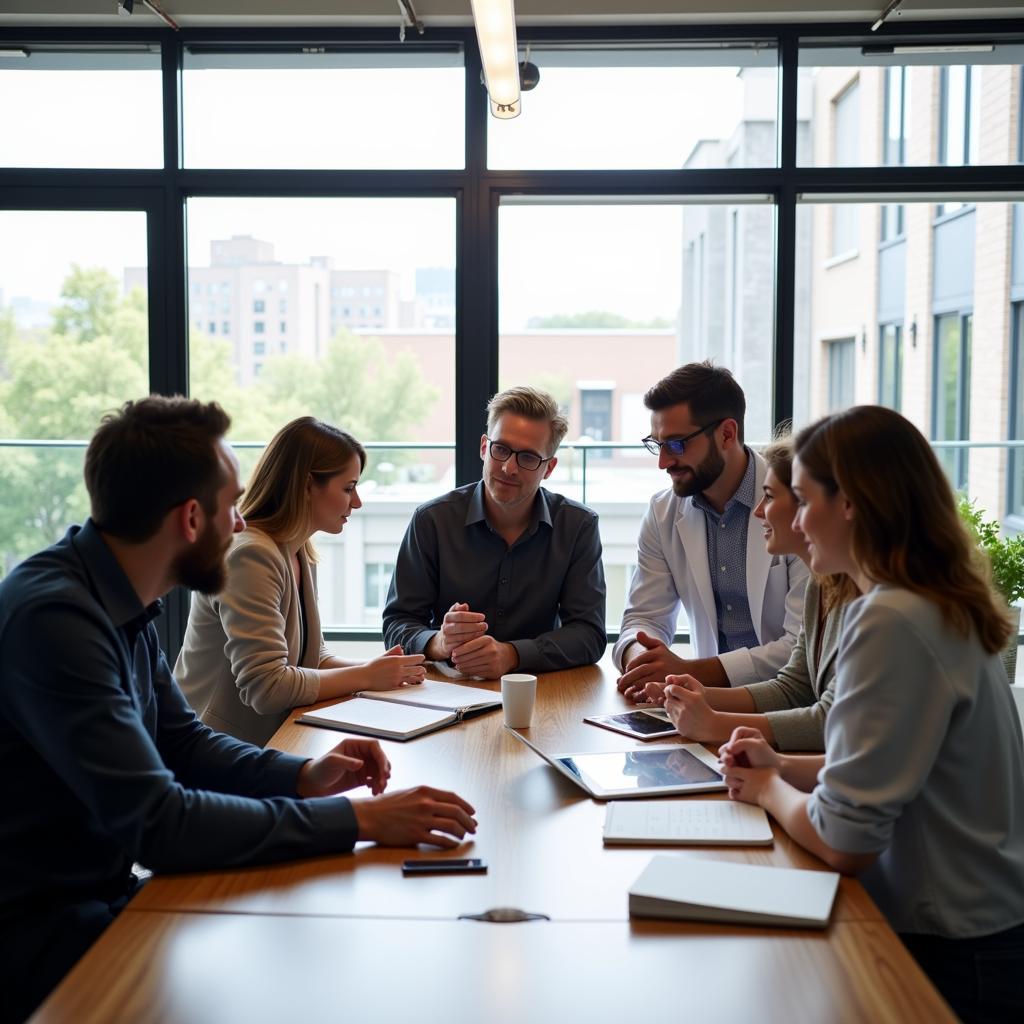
(699, 547)
(502, 575)
(102, 762)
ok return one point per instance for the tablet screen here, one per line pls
(642, 722)
(640, 769)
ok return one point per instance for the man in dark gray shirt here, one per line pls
(503, 575)
(102, 761)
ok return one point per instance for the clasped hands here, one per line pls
(463, 639)
(645, 675)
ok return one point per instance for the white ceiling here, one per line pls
(208, 13)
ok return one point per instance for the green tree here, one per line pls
(90, 303)
(56, 384)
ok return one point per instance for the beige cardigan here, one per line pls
(240, 665)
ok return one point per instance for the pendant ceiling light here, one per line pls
(495, 22)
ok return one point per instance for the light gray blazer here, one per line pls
(240, 665)
(797, 701)
(672, 572)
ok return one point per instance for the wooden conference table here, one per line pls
(348, 937)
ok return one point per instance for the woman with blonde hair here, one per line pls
(254, 651)
(790, 709)
(921, 787)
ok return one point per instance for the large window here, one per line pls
(335, 225)
(597, 302)
(73, 346)
(81, 108)
(348, 107)
(617, 107)
(387, 379)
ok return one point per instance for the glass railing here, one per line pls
(43, 493)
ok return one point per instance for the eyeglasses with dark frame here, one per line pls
(677, 445)
(524, 457)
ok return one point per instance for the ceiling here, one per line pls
(210, 13)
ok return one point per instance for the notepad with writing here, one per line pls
(686, 823)
(710, 890)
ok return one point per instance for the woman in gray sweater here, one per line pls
(790, 709)
(921, 788)
(254, 651)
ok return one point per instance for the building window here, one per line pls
(895, 143)
(258, 327)
(841, 369)
(225, 327)
(951, 412)
(890, 365)
(846, 144)
(257, 369)
(1015, 484)
(259, 348)
(282, 306)
(959, 114)
(212, 327)
(259, 306)
(376, 580)
(596, 418)
(284, 326)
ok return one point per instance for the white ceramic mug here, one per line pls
(518, 693)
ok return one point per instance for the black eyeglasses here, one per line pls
(677, 445)
(525, 458)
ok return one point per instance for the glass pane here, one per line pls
(930, 315)
(597, 325)
(1016, 495)
(65, 109)
(346, 109)
(914, 108)
(73, 345)
(890, 364)
(664, 108)
(333, 308)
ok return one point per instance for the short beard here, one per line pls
(703, 477)
(201, 567)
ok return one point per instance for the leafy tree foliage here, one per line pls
(56, 385)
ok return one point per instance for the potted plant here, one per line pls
(1006, 557)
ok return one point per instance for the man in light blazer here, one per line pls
(701, 548)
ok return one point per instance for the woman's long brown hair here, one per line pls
(275, 500)
(905, 528)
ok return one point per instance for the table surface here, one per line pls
(301, 936)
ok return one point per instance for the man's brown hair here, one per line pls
(149, 456)
(710, 391)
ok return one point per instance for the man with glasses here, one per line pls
(701, 549)
(502, 575)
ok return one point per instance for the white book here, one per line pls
(375, 718)
(468, 700)
(712, 890)
(687, 823)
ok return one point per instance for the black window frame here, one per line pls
(476, 189)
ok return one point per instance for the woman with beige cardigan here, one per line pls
(790, 709)
(254, 651)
